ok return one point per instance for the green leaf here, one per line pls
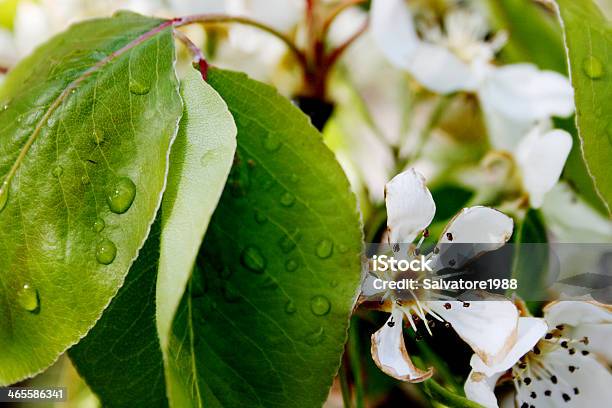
(588, 37)
(121, 358)
(526, 20)
(200, 163)
(264, 320)
(531, 261)
(87, 123)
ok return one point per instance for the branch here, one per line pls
(220, 18)
(198, 57)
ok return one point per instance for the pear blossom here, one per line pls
(488, 324)
(459, 57)
(558, 361)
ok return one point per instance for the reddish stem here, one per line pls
(3, 70)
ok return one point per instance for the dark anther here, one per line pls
(585, 340)
(524, 405)
(449, 236)
(527, 380)
(396, 247)
(447, 325)
(564, 344)
(553, 379)
(418, 337)
(466, 304)
(585, 352)
(431, 323)
(532, 406)
(547, 393)
(436, 250)
(451, 262)
(536, 350)
(548, 336)
(417, 251)
(398, 302)
(391, 323)
(533, 394)
(571, 369)
(426, 233)
(576, 391)
(560, 327)
(572, 351)
(522, 365)
(381, 302)
(447, 306)
(417, 319)
(566, 397)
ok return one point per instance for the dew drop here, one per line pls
(319, 305)
(99, 225)
(270, 283)
(291, 265)
(287, 243)
(290, 307)
(4, 193)
(271, 143)
(57, 171)
(208, 157)
(121, 196)
(287, 199)
(260, 217)
(325, 249)
(316, 337)
(253, 260)
(138, 88)
(106, 252)
(592, 67)
(27, 298)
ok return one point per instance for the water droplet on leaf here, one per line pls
(271, 143)
(290, 307)
(121, 196)
(319, 305)
(253, 260)
(27, 298)
(325, 248)
(138, 88)
(260, 217)
(99, 225)
(287, 199)
(291, 265)
(316, 337)
(593, 68)
(208, 157)
(106, 251)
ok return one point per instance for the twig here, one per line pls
(219, 18)
(198, 57)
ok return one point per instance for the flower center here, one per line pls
(533, 376)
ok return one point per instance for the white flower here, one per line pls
(459, 58)
(554, 362)
(489, 327)
(540, 157)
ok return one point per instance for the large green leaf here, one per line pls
(121, 358)
(588, 37)
(86, 126)
(264, 320)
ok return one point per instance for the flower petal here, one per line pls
(541, 157)
(389, 351)
(525, 93)
(590, 319)
(410, 206)
(480, 388)
(393, 31)
(530, 331)
(441, 71)
(481, 225)
(488, 326)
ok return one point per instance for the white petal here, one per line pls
(541, 158)
(479, 225)
(505, 133)
(367, 287)
(8, 53)
(410, 206)
(479, 388)
(389, 351)
(590, 319)
(441, 71)
(525, 93)
(530, 331)
(488, 326)
(184, 7)
(393, 31)
(593, 380)
(32, 27)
